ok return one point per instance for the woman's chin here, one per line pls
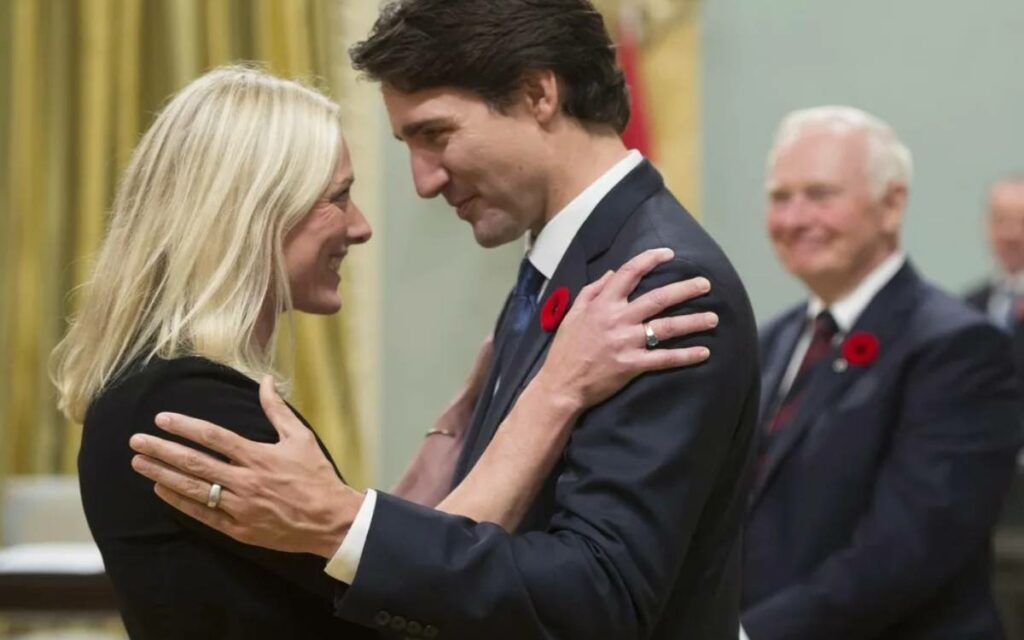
(325, 307)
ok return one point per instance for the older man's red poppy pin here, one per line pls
(554, 309)
(861, 348)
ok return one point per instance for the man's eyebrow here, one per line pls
(413, 128)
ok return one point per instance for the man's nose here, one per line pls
(428, 174)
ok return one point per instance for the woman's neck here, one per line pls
(265, 326)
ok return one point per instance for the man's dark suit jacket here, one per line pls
(872, 515)
(175, 578)
(637, 531)
(1013, 510)
(979, 299)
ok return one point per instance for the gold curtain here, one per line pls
(670, 64)
(79, 82)
(671, 71)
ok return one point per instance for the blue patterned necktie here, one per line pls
(522, 305)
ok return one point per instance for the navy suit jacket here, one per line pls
(979, 298)
(873, 514)
(1013, 510)
(637, 531)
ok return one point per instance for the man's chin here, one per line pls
(811, 273)
(490, 238)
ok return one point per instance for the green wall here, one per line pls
(442, 294)
(947, 76)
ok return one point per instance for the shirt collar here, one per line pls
(547, 250)
(847, 310)
(1009, 283)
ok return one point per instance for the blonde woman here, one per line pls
(236, 206)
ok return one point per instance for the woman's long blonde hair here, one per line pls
(194, 248)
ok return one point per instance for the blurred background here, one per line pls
(80, 80)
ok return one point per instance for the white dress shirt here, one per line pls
(544, 252)
(845, 311)
(1007, 289)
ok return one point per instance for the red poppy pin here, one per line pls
(555, 308)
(861, 348)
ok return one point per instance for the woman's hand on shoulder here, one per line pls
(602, 344)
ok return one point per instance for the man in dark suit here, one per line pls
(512, 110)
(889, 420)
(1002, 298)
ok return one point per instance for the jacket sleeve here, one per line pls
(933, 508)
(637, 474)
(224, 397)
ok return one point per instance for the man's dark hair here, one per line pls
(487, 47)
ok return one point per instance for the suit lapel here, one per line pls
(780, 351)
(884, 317)
(592, 240)
(480, 411)
(572, 274)
(979, 298)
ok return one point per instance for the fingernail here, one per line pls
(137, 442)
(668, 253)
(136, 462)
(705, 352)
(704, 284)
(712, 319)
(162, 419)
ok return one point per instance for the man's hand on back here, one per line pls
(284, 496)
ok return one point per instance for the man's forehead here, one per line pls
(1009, 193)
(408, 111)
(437, 98)
(817, 151)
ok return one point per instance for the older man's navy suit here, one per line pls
(873, 509)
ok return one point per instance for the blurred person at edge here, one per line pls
(889, 420)
(1002, 297)
(237, 207)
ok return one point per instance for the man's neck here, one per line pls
(1013, 280)
(578, 161)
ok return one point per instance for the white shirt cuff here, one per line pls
(743, 634)
(345, 563)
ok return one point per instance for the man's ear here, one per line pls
(542, 94)
(894, 204)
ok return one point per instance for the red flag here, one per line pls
(637, 134)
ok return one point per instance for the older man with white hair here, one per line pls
(889, 422)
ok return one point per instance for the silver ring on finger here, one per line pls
(652, 338)
(213, 498)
